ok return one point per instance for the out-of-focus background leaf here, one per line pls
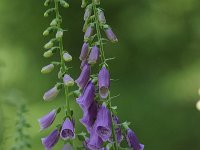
(158, 61)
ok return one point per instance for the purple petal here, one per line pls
(84, 51)
(103, 123)
(104, 82)
(95, 142)
(94, 55)
(51, 140)
(67, 80)
(67, 131)
(51, 94)
(133, 141)
(88, 32)
(47, 120)
(90, 117)
(87, 97)
(84, 77)
(101, 17)
(110, 35)
(67, 147)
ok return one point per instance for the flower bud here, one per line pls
(64, 4)
(67, 57)
(46, 32)
(48, 45)
(48, 54)
(46, 3)
(110, 35)
(51, 94)
(94, 55)
(60, 75)
(47, 69)
(84, 3)
(88, 12)
(46, 14)
(84, 51)
(59, 34)
(67, 80)
(88, 32)
(198, 105)
(97, 2)
(53, 22)
(101, 17)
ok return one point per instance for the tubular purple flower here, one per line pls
(67, 131)
(110, 35)
(87, 97)
(88, 32)
(84, 77)
(94, 55)
(118, 130)
(67, 80)
(101, 17)
(89, 117)
(51, 94)
(67, 147)
(103, 124)
(104, 82)
(133, 141)
(47, 120)
(51, 140)
(83, 63)
(95, 142)
(84, 51)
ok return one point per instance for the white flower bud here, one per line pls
(67, 57)
(53, 22)
(198, 105)
(47, 69)
(59, 34)
(48, 45)
(46, 32)
(48, 54)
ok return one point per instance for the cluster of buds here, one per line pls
(65, 130)
(99, 116)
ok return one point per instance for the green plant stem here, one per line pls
(98, 29)
(64, 69)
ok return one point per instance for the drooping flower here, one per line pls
(83, 63)
(50, 140)
(88, 12)
(110, 35)
(67, 131)
(94, 55)
(67, 57)
(95, 142)
(87, 97)
(133, 141)
(47, 69)
(118, 130)
(88, 32)
(104, 82)
(47, 120)
(51, 94)
(84, 51)
(89, 117)
(67, 147)
(48, 54)
(101, 17)
(48, 45)
(103, 124)
(67, 80)
(84, 77)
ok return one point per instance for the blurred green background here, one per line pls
(158, 61)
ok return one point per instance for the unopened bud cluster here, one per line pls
(66, 129)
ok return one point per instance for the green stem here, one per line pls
(103, 60)
(63, 67)
(97, 23)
